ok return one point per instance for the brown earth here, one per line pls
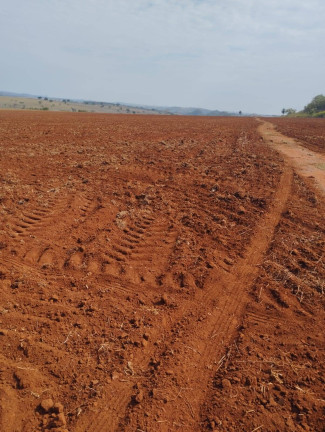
(309, 131)
(305, 161)
(157, 274)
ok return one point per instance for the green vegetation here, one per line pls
(288, 111)
(316, 108)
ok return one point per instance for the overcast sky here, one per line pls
(250, 55)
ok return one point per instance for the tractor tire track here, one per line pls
(229, 292)
(203, 344)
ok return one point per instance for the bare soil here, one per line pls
(308, 131)
(306, 162)
(157, 274)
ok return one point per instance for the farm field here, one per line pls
(310, 132)
(157, 273)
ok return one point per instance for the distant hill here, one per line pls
(12, 94)
(20, 101)
(197, 111)
(190, 111)
(59, 104)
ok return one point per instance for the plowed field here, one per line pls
(310, 132)
(157, 274)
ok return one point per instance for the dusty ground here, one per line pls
(157, 274)
(308, 131)
(305, 162)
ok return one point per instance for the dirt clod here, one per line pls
(47, 405)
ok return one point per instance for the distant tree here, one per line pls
(316, 105)
(240, 113)
(288, 111)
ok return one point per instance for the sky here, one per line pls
(257, 56)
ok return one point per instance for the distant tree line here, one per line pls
(316, 108)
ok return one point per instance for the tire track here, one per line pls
(148, 237)
(119, 400)
(115, 255)
(37, 239)
(131, 254)
(35, 218)
(229, 292)
(203, 345)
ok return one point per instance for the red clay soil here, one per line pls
(157, 274)
(305, 162)
(308, 131)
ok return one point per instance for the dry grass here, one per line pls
(20, 103)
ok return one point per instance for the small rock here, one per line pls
(226, 384)
(228, 261)
(164, 299)
(47, 404)
(3, 332)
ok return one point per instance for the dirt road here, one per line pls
(305, 161)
